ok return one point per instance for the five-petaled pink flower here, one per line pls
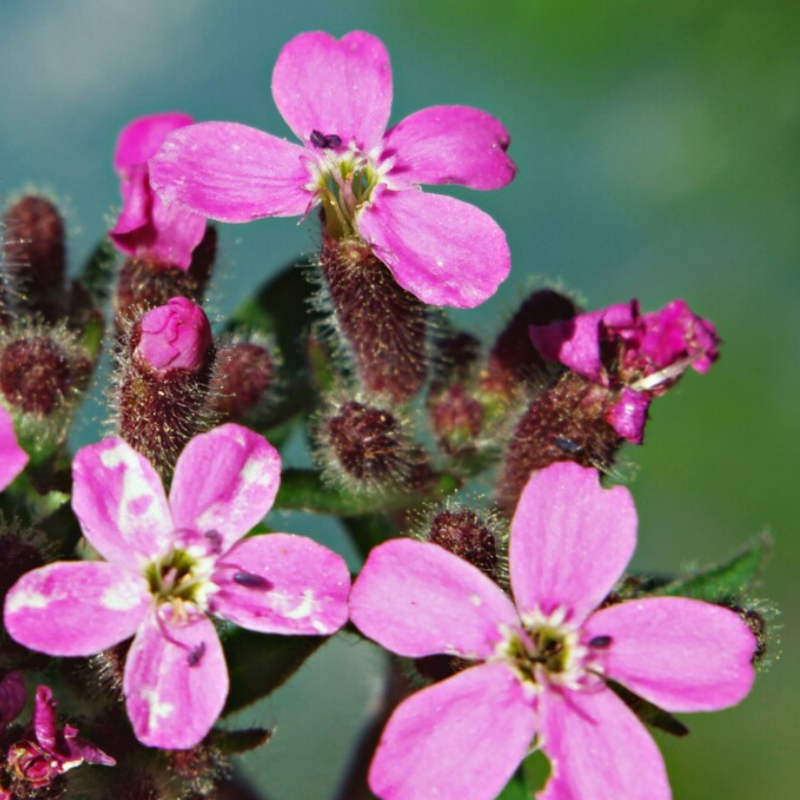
(171, 563)
(541, 662)
(147, 227)
(639, 356)
(336, 96)
(12, 457)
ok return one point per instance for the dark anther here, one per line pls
(215, 540)
(323, 142)
(600, 641)
(195, 654)
(250, 581)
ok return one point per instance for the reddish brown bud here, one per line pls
(383, 325)
(163, 406)
(456, 418)
(37, 374)
(34, 249)
(243, 374)
(463, 533)
(144, 284)
(513, 360)
(566, 422)
(366, 447)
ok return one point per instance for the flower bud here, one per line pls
(565, 422)
(383, 325)
(34, 250)
(42, 374)
(466, 535)
(174, 336)
(365, 447)
(166, 365)
(243, 375)
(513, 360)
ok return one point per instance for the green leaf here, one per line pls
(260, 663)
(726, 582)
(648, 713)
(98, 272)
(233, 743)
(516, 788)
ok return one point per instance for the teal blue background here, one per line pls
(658, 153)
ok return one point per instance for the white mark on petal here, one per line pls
(26, 598)
(156, 710)
(476, 600)
(306, 607)
(124, 596)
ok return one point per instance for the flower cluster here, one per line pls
(139, 574)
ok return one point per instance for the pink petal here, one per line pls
(225, 481)
(149, 227)
(576, 342)
(282, 583)
(451, 144)
(598, 750)
(120, 502)
(629, 415)
(460, 739)
(444, 251)
(76, 608)
(232, 173)
(337, 87)
(680, 654)
(139, 140)
(12, 457)
(176, 680)
(417, 599)
(570, 540)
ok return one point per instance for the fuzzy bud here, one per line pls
(464, 534)
(244, 374)
(166, 367)
(456, 418)
(365, 447)
(34, 250)
(383, 325)
(565, 422)
(513, 360)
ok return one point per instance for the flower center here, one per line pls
(179, 577)
(343, 181)
(546, 649)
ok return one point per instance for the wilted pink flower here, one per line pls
(638, 355)
(541, 662)
(174, 336)
(336, 96)
(46, 752)
(147, 227)
(12, 457)
(171, 563)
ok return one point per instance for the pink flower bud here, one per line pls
(174, 336)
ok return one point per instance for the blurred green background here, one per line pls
(657, 146)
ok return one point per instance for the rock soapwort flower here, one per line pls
(541, 662)
(147, 227)
(336, 96)
(637, 355)
(12, 457)
(170, 565)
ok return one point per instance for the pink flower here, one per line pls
(12, 457)
(336, 96)
(638, 355)
(541, 662)
(171, 563)
(46, 752)
(147, 227)
(174, 336)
